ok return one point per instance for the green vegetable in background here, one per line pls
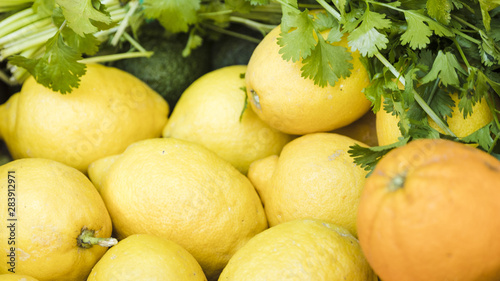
(167, 71)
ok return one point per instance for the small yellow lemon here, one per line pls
(388, 131)
(293, 104)
(54, 216)
(147, 257)
(300, 250)
(209, 113)
(107, 112)
(16, 277)
(183, 192)
(314, 177)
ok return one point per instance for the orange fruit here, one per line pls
(429, 211)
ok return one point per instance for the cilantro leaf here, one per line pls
(417, 34)
(483, 136)
(366, 38)
(445, 67)
(327, 63)
(44, 7)
(175, 16)
(87, 44)
(297, 36)
(439, 10)
(368, 157)
(80, 14)
(58, 69)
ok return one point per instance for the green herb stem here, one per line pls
(35, 27)
(32, 41)
(133, 5)
(17, 20)
(461, 34)
(231, 33)
(134, 43)
(330, 9)
(115, 57)
(261, 27)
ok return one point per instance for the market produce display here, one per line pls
(330, 140)
(110, 110)
(213, 112)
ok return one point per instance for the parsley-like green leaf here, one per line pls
(439, 10)
(445, 67)
(296, 38)
(58, 69)
(327, 63)
(368, 157)
(483, 136)
(417, 34)
(80, 13)
(88, 44)
(366, 38)
(175, 16)
(44, 7)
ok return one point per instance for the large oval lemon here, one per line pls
(107, 112)
(183, 192)
(49, 208)
(314, 177)
(300, 250)
(212, 112)
(293, 104)
(147, 257)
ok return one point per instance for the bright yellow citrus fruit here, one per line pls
(16, 277)
(147, 257)
(210, 112)
(314, 177)
(107, 112)
(300, 250)
(183, 192)
(388, 131)
(53, 205)
(295, 105)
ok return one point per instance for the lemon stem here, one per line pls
(86, 240)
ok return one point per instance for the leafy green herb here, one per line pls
(175, 16)
(57, 64)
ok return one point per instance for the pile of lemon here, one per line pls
(247, 178)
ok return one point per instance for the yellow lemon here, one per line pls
(300, 250)
(109, 110)
(314, 177)
(210, 112)
(388, 131)
(16, 277)
(183, 192)
(293, 104)
(54, 216)
(147, 257)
